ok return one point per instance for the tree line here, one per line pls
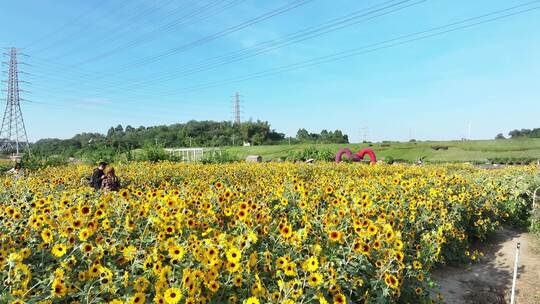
(523, 133)
(190, 134)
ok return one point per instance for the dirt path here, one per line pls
(490, 281)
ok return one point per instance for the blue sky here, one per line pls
(93, 65)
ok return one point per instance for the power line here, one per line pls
(404, 39)
(245, 24)
(432, 32)
(78, 32)
(201, 13)
(276, 12)
(298, 36)
(121, 28)
(68, 24)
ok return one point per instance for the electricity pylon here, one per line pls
(13, 139)
(236, 108)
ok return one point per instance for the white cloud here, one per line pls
(93, 102)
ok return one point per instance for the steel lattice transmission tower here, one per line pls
(13, 139)
(236, 108)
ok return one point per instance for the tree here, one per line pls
(192, 133)
(500, 136)
(302, 135)
(530, 133)
(514, 133)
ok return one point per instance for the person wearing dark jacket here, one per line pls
(98, 175)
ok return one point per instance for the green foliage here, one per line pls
(312, 153)
(98, 154)
(530, 133)
(535, 222)
(517, 205)
(474, 151)
(154, 153)
(535, 212)
(5, 164)
(325, 136)
(193, 133)
(36, 161)
(220, 158)
(512, 160)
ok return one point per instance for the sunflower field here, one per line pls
(246, 233)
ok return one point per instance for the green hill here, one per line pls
(457, 151)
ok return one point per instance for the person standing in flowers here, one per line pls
(111, 181)
(98, 175)
(16, 171)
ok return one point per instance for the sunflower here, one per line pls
(372, 229)
(389, 235)
(85, 210)
(233, 255)
(137, 298)
(321, 299)
(176, 252)
(399, 256)
(141, 284)
(129, 252)
(282, 262)
(172, 295)
(59, 290)
(377, 244)
(398, 244)
(169, 229)
(340, 299)
(286, 231)
(47, 235)
(328, 189)
(241, 214)
(213, 286)
(124, 193)
(391, 281)
(84, 234)
(311, 264)
(252, 300)
(364, 249)
(87, 248)
(233, 266)
(59, 250)
(315, 279)
(290, 269)
(335, 235)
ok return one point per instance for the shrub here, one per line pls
(219, 158)
(154, 153)
(312, 153)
